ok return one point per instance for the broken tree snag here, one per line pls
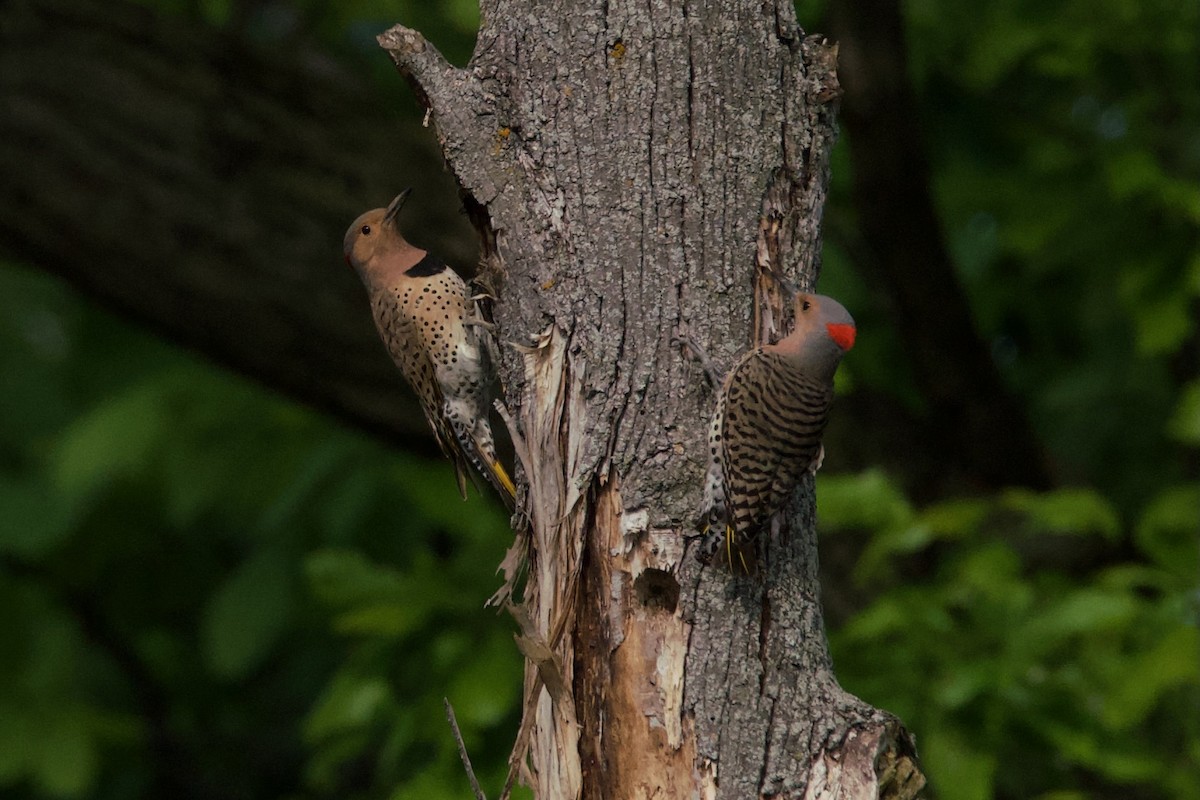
(636, 740)
(635, 170)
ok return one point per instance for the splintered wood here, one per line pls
(549, 450)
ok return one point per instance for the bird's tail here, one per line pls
(498, 477)
(482, 454)
(720, 541)
(721, 544)
(475, 446)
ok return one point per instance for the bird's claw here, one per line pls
(681, 338)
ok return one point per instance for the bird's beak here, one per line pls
(842, 334)
(393, 209)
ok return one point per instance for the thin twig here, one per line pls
(462, 751)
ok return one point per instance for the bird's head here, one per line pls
(824, 333)
(375, 236)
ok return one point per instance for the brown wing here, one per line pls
(772, 431)
(405, 344)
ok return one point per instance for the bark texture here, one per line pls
(639, 172)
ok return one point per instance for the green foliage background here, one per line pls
(206, 590)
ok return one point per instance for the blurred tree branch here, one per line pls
(184, 178)
(980, 432)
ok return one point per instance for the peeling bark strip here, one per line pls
(636, 170)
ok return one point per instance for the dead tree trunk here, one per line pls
(636, 170)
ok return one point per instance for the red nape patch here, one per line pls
(842, 333)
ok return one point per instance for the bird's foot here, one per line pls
(683, 338)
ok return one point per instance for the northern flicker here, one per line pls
(424, 316)
(766, 430)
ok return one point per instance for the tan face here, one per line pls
(808, 312)
(818, 314)
(363, 238)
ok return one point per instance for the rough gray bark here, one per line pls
(637, 172)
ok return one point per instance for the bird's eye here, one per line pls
(366, 230)
(805, 306)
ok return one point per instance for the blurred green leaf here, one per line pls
(432, 493)
(347, 506)
(113, 439)
(1067, 511)
(215, 12)
(488, 685)
(49, 744)
(1184, 425)
(958, 765)
(1080, 612)
(1087, 748)
(1169, 531)
(869, 499)
(350, 702)
(1162, 312)
(319, 464)
(246, 616)
(991, 570)
(371, 599)
(1174, 661)
(36, 519)
(893, 615)
(14, 734)
(955, 518)
(346, 577)
(432, 785)
(963, 686)
(63, 754)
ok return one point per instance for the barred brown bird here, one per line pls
(766, 430)
(424, 316)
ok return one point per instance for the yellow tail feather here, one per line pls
(506, 483)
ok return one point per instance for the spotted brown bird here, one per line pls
(766, 430)
(425, 317)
